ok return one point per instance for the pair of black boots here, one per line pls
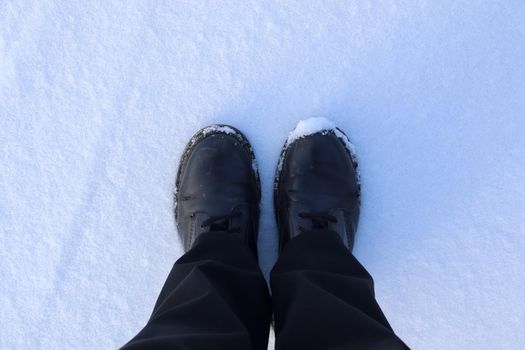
(218, 188)
(216, 297)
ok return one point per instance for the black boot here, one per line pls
(317, 187)
(217, 187)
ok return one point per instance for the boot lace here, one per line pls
(319, 220)
(222, 223)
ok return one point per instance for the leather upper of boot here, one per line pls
(317, 188)
(217, 188)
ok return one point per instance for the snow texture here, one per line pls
(99, 98)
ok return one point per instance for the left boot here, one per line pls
(217, 187)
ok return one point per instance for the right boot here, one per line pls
(317, 186)
(217, 187)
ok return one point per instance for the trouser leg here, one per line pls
(323, 298)
(214, 298)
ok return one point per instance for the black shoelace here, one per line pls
(222, 223)
(319, 220)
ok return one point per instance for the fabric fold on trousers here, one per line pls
(214, 298)
(323, 298)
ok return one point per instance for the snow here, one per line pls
(319, 124)
(99, 98)
(223, 129)
(308, 127)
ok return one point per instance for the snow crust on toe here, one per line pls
(224, 129)
(308, 127)
(318, 124)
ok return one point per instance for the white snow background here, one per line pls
(98, 99)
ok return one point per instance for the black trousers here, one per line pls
(216, 298)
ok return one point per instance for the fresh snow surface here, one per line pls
(99, 98)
